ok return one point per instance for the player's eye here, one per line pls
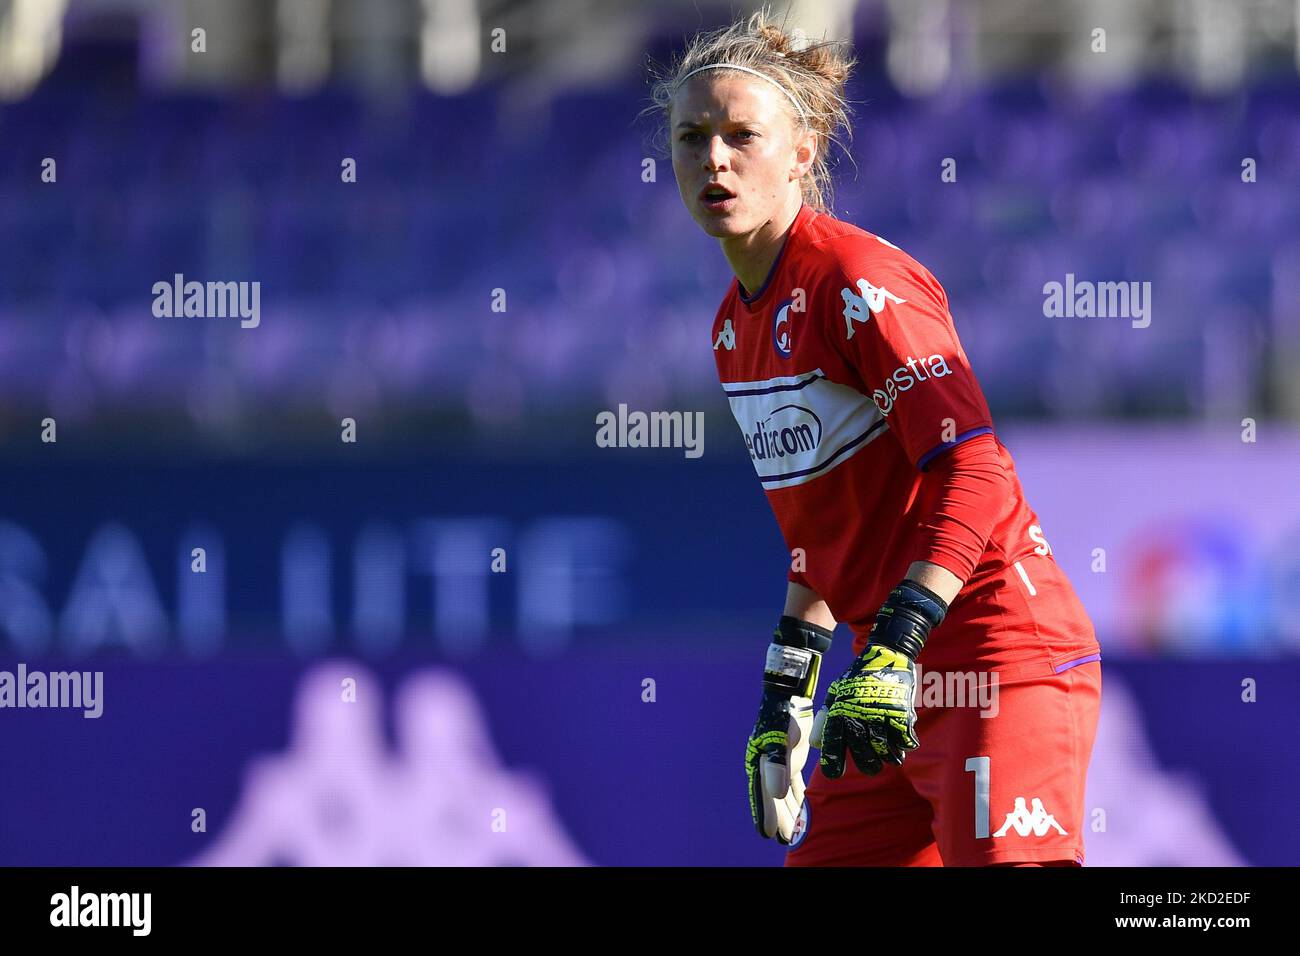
(747, 133)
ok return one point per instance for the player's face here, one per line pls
(732, 129)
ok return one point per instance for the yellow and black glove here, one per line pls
(778, 744)
(868, 709)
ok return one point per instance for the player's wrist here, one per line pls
(907, 617)
(794, 657)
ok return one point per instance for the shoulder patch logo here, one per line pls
(726, 338)
(868, 297)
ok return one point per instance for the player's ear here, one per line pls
(805, 152)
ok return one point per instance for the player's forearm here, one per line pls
(803, 603)
(973, 490)
(937, 578)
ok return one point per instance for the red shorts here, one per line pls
(979, 790)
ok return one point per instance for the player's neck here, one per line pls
(751, 255)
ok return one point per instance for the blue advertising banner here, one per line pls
(557, 662)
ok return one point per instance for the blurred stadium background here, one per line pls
(503, 718)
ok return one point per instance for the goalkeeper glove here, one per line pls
(869, 709)
(778, 744)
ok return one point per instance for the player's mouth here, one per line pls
(717, 198)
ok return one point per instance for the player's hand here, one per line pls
(869, 713)
(868, 710)
(774, 760)
(778, 744)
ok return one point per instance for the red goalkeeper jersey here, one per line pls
(846, 377)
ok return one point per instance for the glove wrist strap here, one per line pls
(794, 657)
(907, 617)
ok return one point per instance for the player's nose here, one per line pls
(716, 155)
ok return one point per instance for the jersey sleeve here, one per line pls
(972, 491)
(889, 320)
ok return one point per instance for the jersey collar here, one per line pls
(755, 302)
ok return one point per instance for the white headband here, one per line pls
(746, 69)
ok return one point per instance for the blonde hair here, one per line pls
(812, 75)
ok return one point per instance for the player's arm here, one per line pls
(935, 577)
(972, 490)
(869, 710)
(805, 604)
(778, 745)
(897, 335)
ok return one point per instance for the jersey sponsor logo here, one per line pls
(903, 378)
(869, 300)
(781, 330)
(726, 337)
(789, 430)
(797, 427)
(1025, 821)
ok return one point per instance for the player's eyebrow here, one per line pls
(732, 122)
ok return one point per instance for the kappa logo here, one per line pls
(726, 338)
(870, 301)
(1038, 821)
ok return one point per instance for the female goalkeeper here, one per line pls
(901, 509)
